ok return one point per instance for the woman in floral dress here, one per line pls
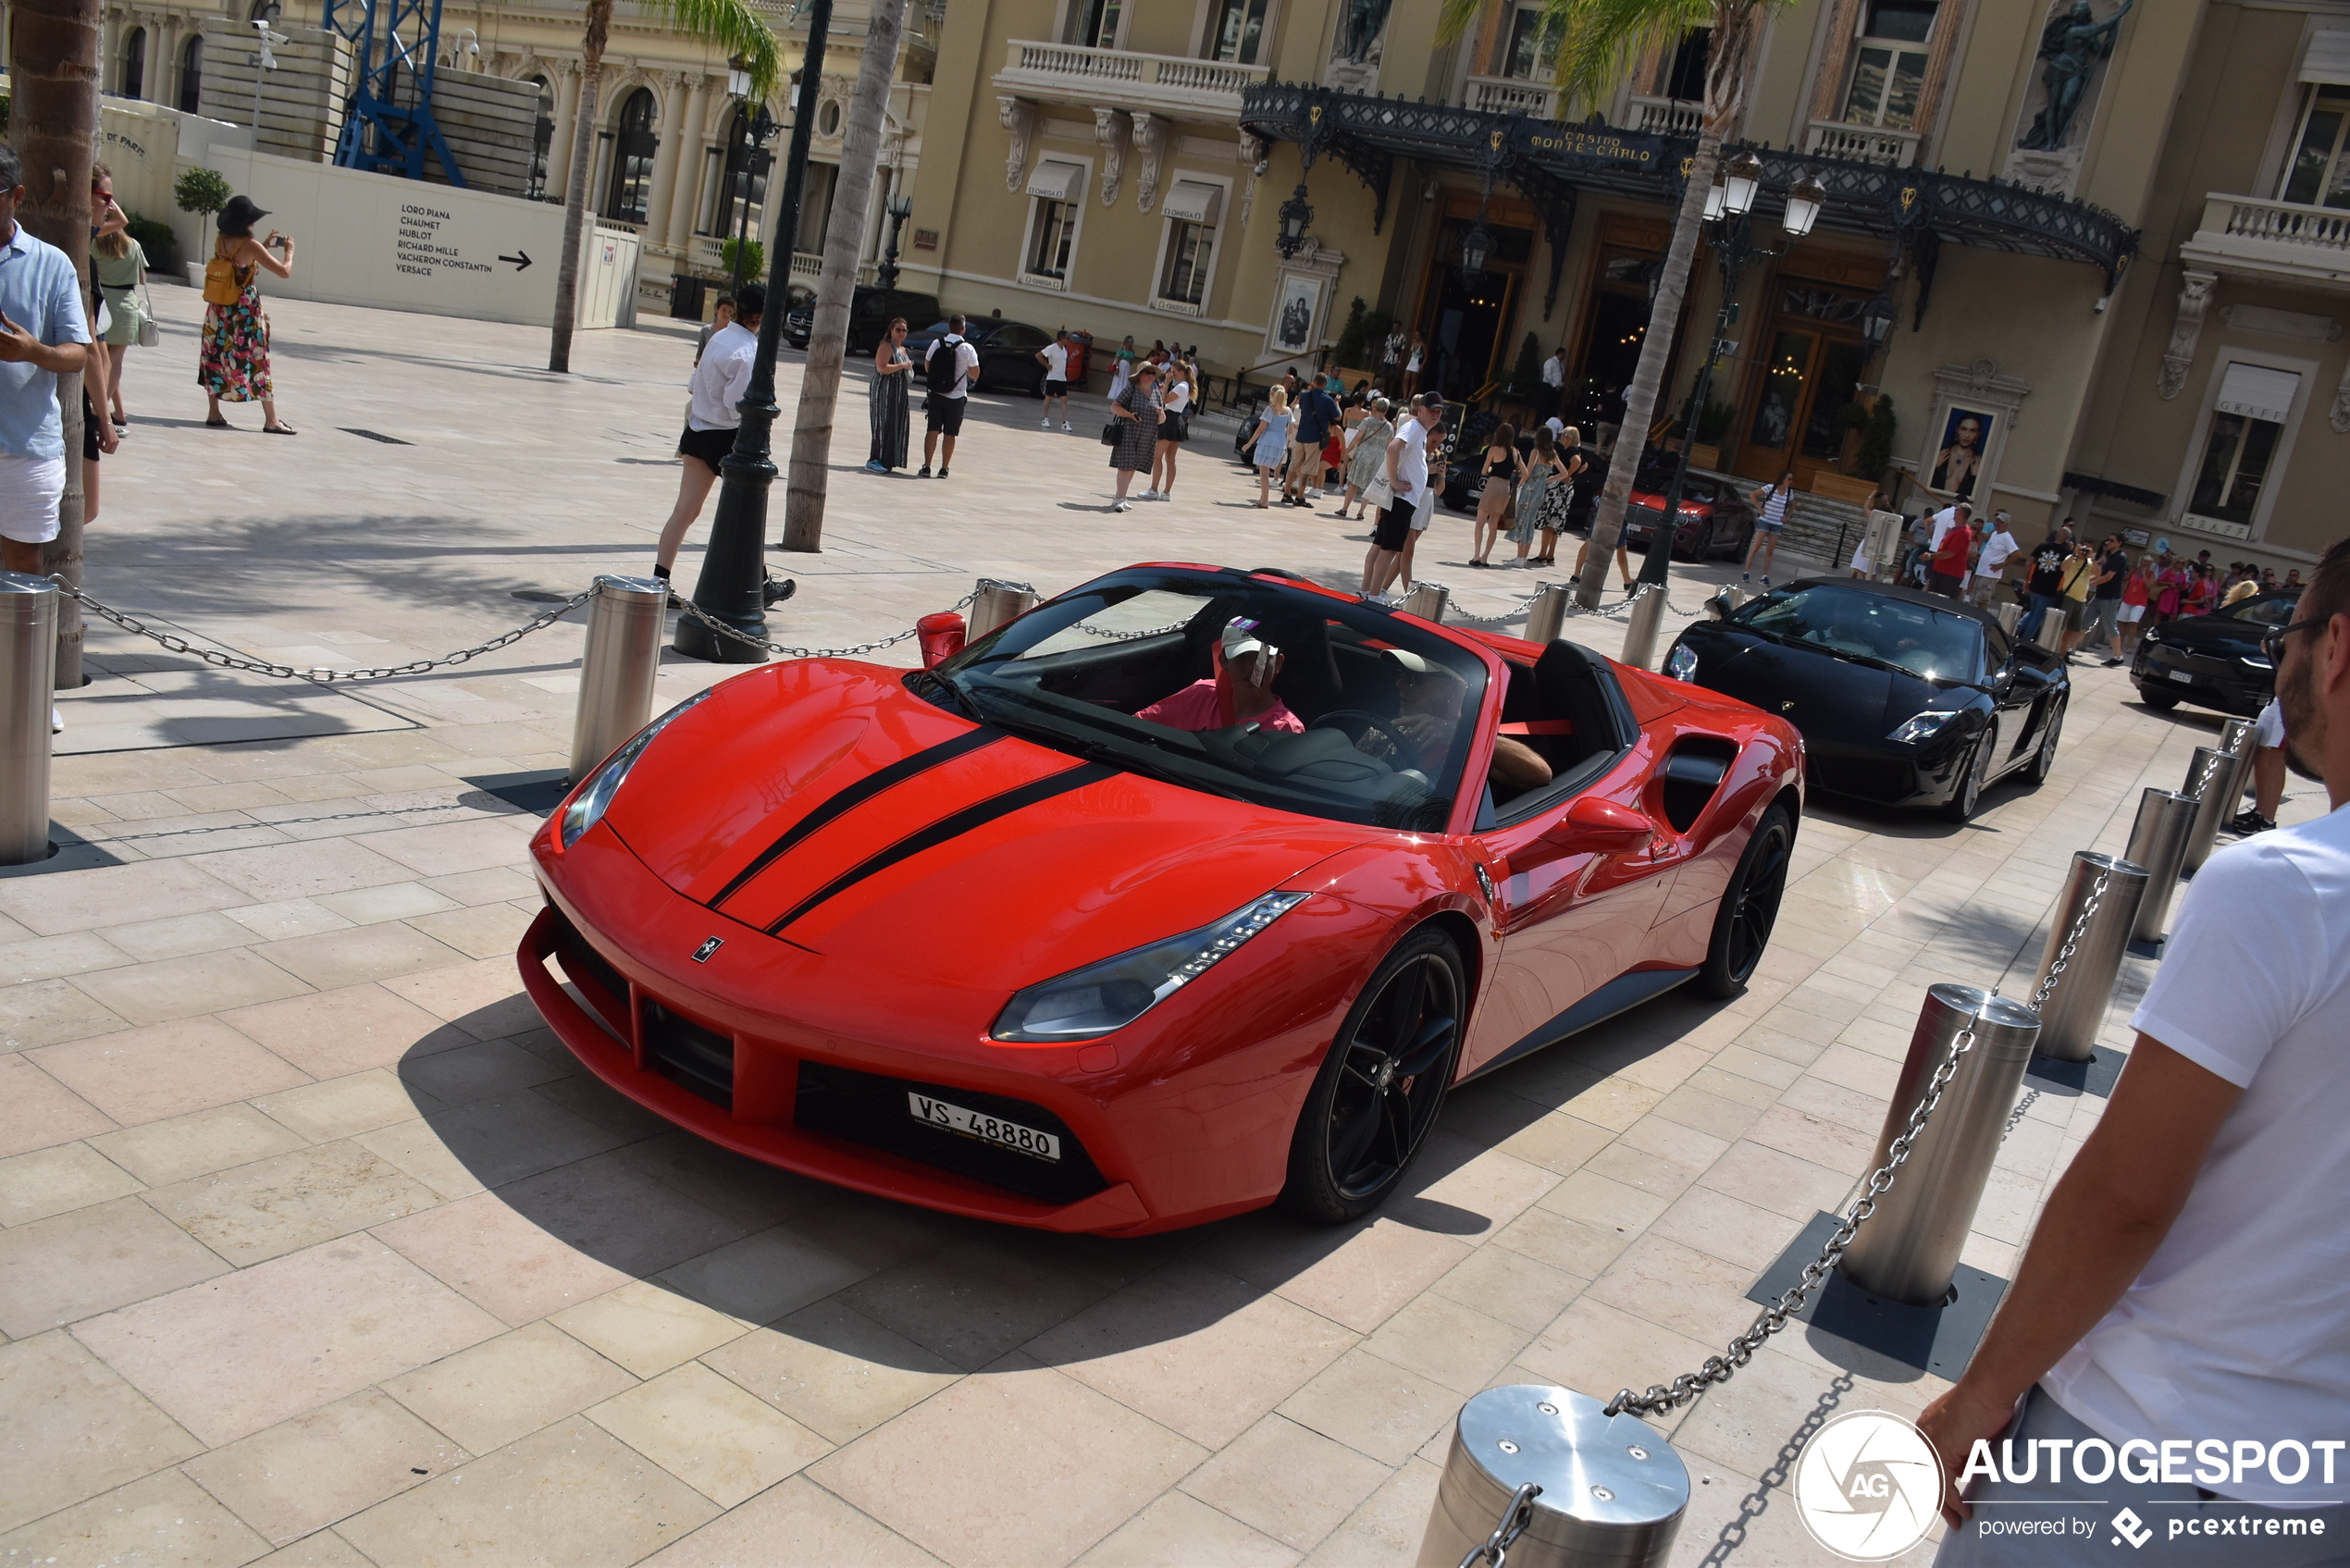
(234, 365)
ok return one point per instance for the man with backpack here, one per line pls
(949, 366)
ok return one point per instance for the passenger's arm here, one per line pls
(1517, 767)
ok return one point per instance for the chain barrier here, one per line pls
(2210, 771)
(1661, 1398)
(1517, 1514)
(2015, 1118)
(688, 608)
(318, 676)
(2072, 941)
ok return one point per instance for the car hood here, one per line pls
(1652, 500)
(1834, 701)
(2221, 636)
(822, 803)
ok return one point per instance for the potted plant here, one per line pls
(1713, 424)
(1865, 471)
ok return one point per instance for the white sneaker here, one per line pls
(1046, 422)
(1123, 506)
(56, 722)
(1065, 426)
(1150, 495)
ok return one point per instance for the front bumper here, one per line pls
(2222, 682)
(1894, 776)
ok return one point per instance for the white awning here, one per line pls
(1057, 181)
(2259, 392)
(1194, 202)
(2327, 60)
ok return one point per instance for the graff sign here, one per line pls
(1578, 145)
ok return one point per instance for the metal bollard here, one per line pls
(2209, 777)
(1613, 1492)
(28, 674)
(1428, 601)
(617, 670)
(999, 604)
(1640, 628)
(2011, 615)
(2236, 740)
(1546, 621)
(2074, 1008)
(2157, 842)
(1909, 1250)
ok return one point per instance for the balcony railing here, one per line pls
(1862, 143)
(1511, 95)
(2281, 240)
(1124, 79)
(1668, 116)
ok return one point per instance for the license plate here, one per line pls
(2179, 676)
(986, 1129)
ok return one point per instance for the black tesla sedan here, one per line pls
(1904, 697)
(2214, 661)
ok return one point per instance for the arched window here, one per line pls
(634, 144)
(542, 136)
(745, 185)
(134, 63)
(191, 75)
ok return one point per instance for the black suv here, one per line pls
(870, 310)
(2213, 660)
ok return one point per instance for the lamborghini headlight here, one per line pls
(1114, 993)
(1919, 726)
(593, 798)
(1681, 663)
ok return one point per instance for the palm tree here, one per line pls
(844, 236)
(54, 58)
(1599, 41)
(732, 26)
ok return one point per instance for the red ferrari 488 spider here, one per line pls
(1192, 890)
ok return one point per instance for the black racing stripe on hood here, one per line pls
(950, 827)
(856, 795)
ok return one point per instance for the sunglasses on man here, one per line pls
(2272, 643)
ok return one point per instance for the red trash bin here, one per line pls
(1081, 348)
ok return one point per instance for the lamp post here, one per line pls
(1296, 216)
(734, 569)
(1729, 231)
(901, 207)
(760, 126)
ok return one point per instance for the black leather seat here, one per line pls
(1571, 684)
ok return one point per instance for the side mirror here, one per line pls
(941, 637)
(1596, 826)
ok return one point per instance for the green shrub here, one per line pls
(1351, 338)
(156, 239)
(1714, 423)
(1525, 377)
(202, 192)
(1878, 431)
(754, 253)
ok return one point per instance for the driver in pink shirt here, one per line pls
(1241, 692)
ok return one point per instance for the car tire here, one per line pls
(1363, 1113)
(1968, 794)
(2044, 760)
(2161, 701)
(1750, 906)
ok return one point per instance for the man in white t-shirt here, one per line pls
(1407, 473)
(950, 390)
(1992, 565)
(1054, 357)
(2183, 1306)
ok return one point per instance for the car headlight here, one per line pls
(1114, 993)
(593, 798)
(1681, 663)
(1918, 727)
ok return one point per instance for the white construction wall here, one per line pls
(302, 100)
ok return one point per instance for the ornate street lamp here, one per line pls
(1477, 247)
(1876, 323)
(1742, 181)
(1296, 216)
(1804, 200)
(901, 207)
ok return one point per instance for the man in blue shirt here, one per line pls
(1317, 412)
(43, 336)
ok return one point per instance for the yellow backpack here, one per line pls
(220, 285)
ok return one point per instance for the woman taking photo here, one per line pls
(234, 365)
(1137, 412)
(893, 382)
(1174, 429)
(1271, 439)
(1504, 468)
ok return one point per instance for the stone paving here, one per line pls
(315, 1247)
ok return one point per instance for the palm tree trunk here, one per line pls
(582, 142)
(54, 61)
(844, 236)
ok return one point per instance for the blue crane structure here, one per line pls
(379, 132)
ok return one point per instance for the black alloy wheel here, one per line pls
(1968, 794)
(1750, 906)
(2044, 760)
(1381, 1085)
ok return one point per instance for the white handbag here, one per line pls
(150, 334)
(1377, 495)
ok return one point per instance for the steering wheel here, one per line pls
(1332, 721)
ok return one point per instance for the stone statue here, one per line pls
(2073, 43)
(1364, 19)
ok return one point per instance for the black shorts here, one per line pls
(710, 446)
(1056, 389)
(943, 415)
(1394, 526)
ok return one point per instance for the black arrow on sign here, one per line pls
(522, 262)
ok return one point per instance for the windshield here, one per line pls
(1917, 637)
(2263, 612)
(1238, 686)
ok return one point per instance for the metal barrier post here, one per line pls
(2209, 777)
(998, 604)
(1606, 1489)
(28, 674)
(2158, 842)
(1639, 631)
(2011, 615)
(1908, 1251)
(2236, 740)
(616, 670)
(1428, 601)
(1547, 620)
(2072, 1006)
